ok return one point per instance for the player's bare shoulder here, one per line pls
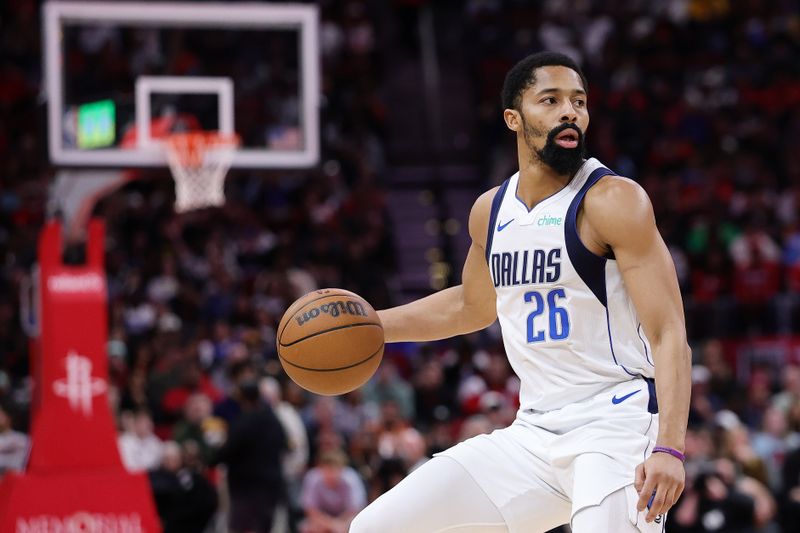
(617, 206)
(479, 217)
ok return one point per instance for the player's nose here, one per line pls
(568, 113)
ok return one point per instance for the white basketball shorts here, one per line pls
(547, 466)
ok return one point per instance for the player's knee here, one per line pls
(613, 515)
(358, 524)
(368, 521)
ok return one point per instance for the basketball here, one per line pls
(330, 341)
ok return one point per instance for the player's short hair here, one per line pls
(523, 75)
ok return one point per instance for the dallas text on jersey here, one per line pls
(524, 267)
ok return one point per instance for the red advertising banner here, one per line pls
(74, 480)
(90, 502)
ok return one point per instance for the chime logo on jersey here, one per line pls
(524, 267)
(547, 220)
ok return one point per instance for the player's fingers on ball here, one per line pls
(638, 481)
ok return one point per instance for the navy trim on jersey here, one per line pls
(589, 266)
(496, 202)
(528, 209)
(652, 405)
(537, 204)
(646, 352)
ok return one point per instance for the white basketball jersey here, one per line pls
(569, 328)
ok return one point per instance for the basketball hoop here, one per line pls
(199, 161)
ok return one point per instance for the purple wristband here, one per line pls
(672, 451)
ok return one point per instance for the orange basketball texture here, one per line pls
(330, 341)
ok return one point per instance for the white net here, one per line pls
(199, 162)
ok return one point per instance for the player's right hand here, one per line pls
(659, 482)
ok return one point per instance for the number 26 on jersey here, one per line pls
(556, 323)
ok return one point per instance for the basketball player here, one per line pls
(566, 254)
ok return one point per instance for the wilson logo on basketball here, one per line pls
(334, 309)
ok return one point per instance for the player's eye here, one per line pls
(580, 103)
(549, 100)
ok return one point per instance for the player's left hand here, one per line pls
(663, 474)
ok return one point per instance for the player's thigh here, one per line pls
(513, 468)
(616, 514)
(439, 496)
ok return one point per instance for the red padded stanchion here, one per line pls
(74, 480)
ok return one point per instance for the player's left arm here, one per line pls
(621, 218)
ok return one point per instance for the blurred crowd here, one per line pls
(695, 99)
(698, 100)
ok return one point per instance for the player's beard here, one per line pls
(563, 161)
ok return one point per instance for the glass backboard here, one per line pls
(122, 75)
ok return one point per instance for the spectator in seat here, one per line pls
(199, 425)
(790, 491)
(139, 447)
(193, 381)
(711, 280)
(13, 445)
(756, 279)
(185, 500)
(230, 407)
(723, 388)
(710, 503)
(332, 495)
(790, 393)
(773, 442)
(389, 386)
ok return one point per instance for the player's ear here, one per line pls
(513, 119)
